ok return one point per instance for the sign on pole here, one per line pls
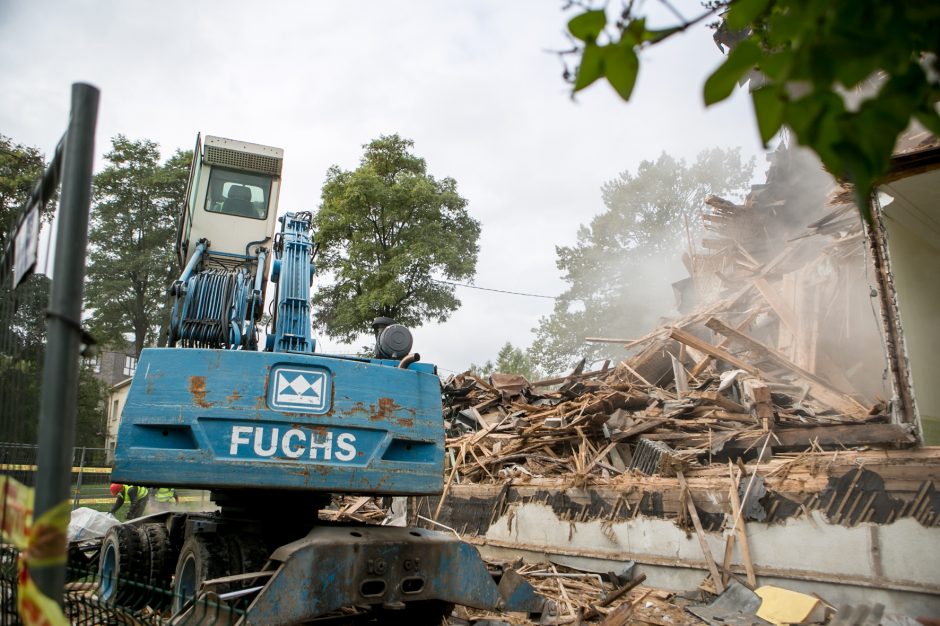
(26, 246)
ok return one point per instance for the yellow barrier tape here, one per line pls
(48, 540)
(35, 608)
(75, 470)
(41, 543)
(16, 512)
(87, 501)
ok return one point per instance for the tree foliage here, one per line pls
(131, 261)
(20, 166)
(388, 232)
(23, 327)
(23, 344)
(846, 76)
(510, 360)
(616, 269)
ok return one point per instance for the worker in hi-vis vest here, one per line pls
(134, 494)
(164, 499)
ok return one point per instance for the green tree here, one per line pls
(388, 233)
(20, 166)
(131, 262)
(90, 426)
(22, 347)
(23, 343)
(510, 360)
(23, 328)
(616, 266)
(808, 56)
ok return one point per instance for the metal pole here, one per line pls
(57, 409)
(78, 481)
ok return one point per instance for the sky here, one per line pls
(475, 84)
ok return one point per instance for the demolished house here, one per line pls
(770, 435)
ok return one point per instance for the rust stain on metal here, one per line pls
(405, 421)
(235, 397)
(387, 407)
(357, 407)
(197, 387)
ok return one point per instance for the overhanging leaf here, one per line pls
(768, 107)
(591, 68)
(743, 12)
(721, 83)
(588, 25)
(930, 120)
(621, 66)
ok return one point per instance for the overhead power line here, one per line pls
(513, 293)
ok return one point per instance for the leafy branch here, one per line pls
(845, 76)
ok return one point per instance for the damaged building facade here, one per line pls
(780, 431)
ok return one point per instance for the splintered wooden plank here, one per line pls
(697, 523)
(818, 388)
(640, 428)
(789, 320)
(703, 346)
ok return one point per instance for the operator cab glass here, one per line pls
(234, 192)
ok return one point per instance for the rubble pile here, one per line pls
(765, 399)
(580, 597)
(772, 353)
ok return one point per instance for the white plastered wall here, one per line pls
(912, 221)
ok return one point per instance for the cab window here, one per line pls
(238, 193)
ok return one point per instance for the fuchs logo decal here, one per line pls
(294, 389)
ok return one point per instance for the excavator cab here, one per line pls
(231, 198)
(224, 240)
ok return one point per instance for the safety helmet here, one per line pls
(116, 488)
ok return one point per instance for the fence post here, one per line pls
(57, 409)
(78, 481)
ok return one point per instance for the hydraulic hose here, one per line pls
(414, 357)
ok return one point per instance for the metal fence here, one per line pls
(124, 576)
(40, 339)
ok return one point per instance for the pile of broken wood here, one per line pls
(600, 424)
(578, 598)
(777, 351)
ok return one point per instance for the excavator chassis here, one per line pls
(395, 569)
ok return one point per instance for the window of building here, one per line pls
(93, 363)
(130, 365)
(114, 411)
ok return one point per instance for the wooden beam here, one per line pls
(563, 379)
(818, 387)
(796, 439)
(740, 529)
(638, 429)
(697, 523)
(703, 346)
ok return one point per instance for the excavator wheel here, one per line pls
(203, 557)
(120, 578)
(247, 553)
(160, 563)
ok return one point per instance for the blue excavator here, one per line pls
(273, 432)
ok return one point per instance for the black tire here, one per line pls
(120, 579)
(203, 557)
(161, 564)
(247, 553)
